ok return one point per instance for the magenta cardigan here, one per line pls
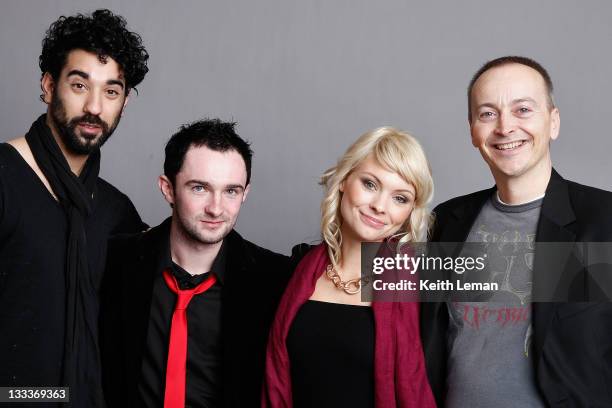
(400, 378)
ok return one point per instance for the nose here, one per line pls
(506, 124)
(93, 105)
(378, 203)
(213, 207)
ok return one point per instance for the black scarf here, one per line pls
(81, 365)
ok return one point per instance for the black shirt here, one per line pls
(203, 386)
(33, 235)
(253, 282)
(331, 350)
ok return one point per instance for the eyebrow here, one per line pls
(373, 176)
(85, 75)
(521, 100)
(204, 183)
(513, 102)
(234, 186)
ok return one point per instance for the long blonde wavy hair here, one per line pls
(399, 152)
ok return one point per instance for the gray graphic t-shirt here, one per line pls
(490, 362)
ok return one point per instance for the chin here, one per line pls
(515, 172)
(509, 169)
(367, 236)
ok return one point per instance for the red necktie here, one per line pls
(174, 397)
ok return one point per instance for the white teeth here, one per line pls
(509, 145)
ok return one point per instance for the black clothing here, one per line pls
(187, 281)
(33, 245)
(572, 341)
(77, 195)
(203, 374)
(341, 372)
(252, 284)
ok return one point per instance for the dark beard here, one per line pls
(67, 128)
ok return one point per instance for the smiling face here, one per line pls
(376, 202)
(86, 101)
(207, 194)
(512, 123)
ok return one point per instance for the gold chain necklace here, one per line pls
(351, 287)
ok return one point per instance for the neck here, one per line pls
(195, 257)
(75, 161)
(526, 187)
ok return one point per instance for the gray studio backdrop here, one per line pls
(305, 78)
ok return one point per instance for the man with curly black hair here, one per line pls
(56, 214)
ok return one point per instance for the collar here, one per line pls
(154, 248)
(183, 276)
(499, 200)
(557, 205)
(515, 208)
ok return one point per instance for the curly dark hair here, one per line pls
(103, 33)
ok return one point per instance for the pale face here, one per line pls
(207, 194)
(511, 123)
(86, 101)
(376, 202)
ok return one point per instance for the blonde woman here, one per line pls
(327, 348)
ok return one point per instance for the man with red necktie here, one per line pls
(187, 305)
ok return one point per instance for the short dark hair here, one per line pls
(102, 33)
(512, 59)
(212, 133)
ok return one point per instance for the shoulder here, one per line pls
(125, 245)
(107, 191)
(14, 148)
(448, 206)
(119, 209)
(299, 251)
(593, 198)
(146, 239)
(126, 248)
(254, 252)
(591, 205)
(8, 156)
(21, 145)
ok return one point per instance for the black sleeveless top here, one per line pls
(331, 352)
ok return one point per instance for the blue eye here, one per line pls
(369, 184)
(400, 199)
(198, 189)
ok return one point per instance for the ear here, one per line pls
(125, 102)
(47, 85)
(246, 192)
(555, 123)
(472, 138)
(341, 188)
(165, 185)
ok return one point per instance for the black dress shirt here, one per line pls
(203, 387)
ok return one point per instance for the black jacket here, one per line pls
(253, 284)
(572, 341)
